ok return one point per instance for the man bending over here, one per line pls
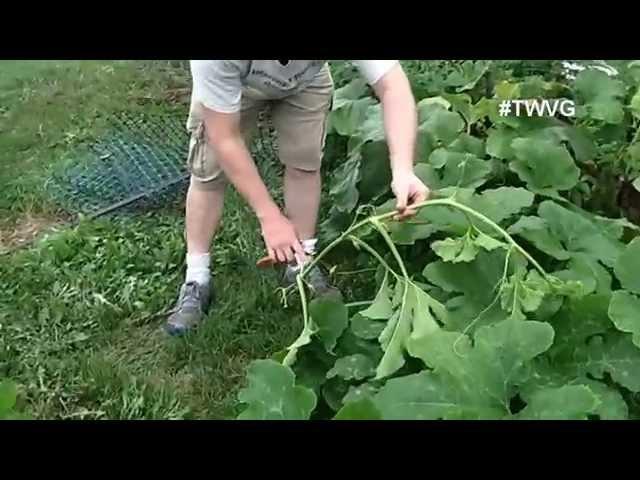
(226, 99)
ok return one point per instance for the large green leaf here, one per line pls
(344, 191)
(580, 140)
(477, 280)
(366, 328)
(331, 318)
(273, 395)
(499, 143)
(544, 376)
(349, 344)
(496, 360)
(561, 232)
(570, 402)
(427, 106)
(381, 308)
(333, 392)
(358, 392)
(353, 367)
(311, 366)
(440, 124)
(536, 230)
(375, 171)
(612, 406)
(349, 109)
(461, 103)
(485, 107)
(627, 268)
(461, 249)
(363, 409)
(468, 313)
(425, 310)
(600, 96)
(544, 165)
(466, 382)
(465, 248)
(617, 356)
(577, 321)
(413, 317)
(578, 234)
(624, 312)
(613, 354)
(352, 91)
(347, 120)
(519, 295)
(497, 204)
(536, 86)
(589, 272)
(468, 77)
(501, 203)
(454, 169)
(426, 396)
(465, 143)
(372, 128)
(408, 231)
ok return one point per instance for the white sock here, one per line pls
(309, 247)
(198, 268)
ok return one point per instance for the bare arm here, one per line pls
(401, 125)
(225, 137)
(400, 118)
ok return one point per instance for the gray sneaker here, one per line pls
(315, 279)
(192, 305)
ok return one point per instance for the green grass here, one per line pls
(76, 328)
(47, 108)
(77, 333)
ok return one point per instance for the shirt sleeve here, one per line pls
(217, 84)
(374, 70)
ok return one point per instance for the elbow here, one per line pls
(395, 87)
(224, 145)
(400, 100)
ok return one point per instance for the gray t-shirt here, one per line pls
(218, 84)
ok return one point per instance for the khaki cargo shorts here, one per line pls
(300, 121)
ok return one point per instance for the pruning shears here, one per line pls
(267, 262)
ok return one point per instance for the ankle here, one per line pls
(198, 268)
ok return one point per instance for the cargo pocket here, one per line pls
(200, 161)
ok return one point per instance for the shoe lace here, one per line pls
(190, 296)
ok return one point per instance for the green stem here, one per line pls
(291, 354)
(391, 245)
(376, 222)
(303, 299)
(488, 221)
(375, 254)
(490, 306)
(354, 272)
(358, 304)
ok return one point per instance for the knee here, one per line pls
(301, 173)
(202, 188)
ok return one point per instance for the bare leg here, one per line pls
(302, 199)
(203, 214)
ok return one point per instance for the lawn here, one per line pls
(512, 295)
(78, 330)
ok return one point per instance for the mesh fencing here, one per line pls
(140, 163)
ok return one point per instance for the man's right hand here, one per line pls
(281, 239)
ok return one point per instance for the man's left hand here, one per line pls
(409, 191)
